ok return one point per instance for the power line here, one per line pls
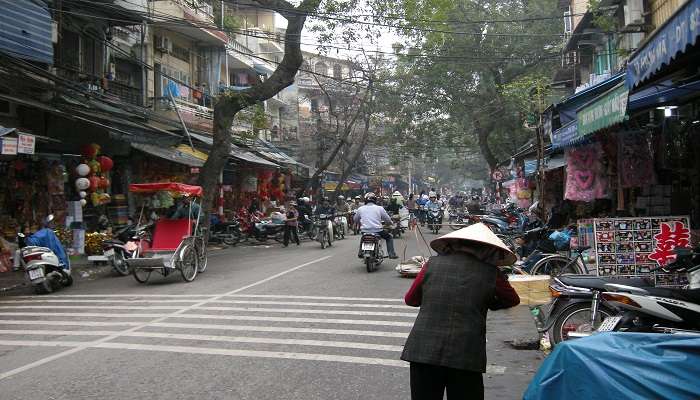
(247, 33)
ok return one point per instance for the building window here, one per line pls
(181, 53)
(337, 71)
(321, 68)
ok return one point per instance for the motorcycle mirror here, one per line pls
(49, 219)
(20, 234)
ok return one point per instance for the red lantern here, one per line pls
(90, 150)
(94, 183)
(106, 163)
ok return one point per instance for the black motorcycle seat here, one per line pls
(689, 295)
(598, 283)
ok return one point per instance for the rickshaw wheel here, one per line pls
(142, 275)
(202, 257)
(188, 263)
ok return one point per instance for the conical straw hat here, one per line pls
(478, 234)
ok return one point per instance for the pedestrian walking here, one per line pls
(455, 290)
(291, 225)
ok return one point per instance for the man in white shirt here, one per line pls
(371, 216)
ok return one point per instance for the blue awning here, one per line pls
(670, 40)
(25, 30)
(565, 136)
(662, 93)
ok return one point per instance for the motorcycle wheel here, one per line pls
(567, 321)
(142, 275)
(44, 287)
(554, 266)
(328, 237)
(369, 264)
(119, 264)
(67, 280)
(232, 239)
(322, 240)
(453, 224)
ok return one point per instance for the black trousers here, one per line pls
(291, 231)
(428, 382)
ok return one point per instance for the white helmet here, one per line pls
(432, 194)
(341, 197)
(396, 194)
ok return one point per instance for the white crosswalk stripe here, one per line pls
(312, 328)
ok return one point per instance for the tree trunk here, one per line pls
(229, 104)
(483, 141)
(355, 156)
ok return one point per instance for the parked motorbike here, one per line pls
(576, 308)
(654, 309)
(125, 246)
(266, 229)
(434, 219)
(371, 251)
(44, 260)
(228, 232)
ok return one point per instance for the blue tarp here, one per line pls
(621, 366)
(47, 238)
(680, 31)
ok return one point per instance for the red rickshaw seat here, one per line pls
(168, 233)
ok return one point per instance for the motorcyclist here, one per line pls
(433, 203)
(399, 198)
(371, 216)
(305, 211)
(457, 202)
(326, 208)
(343, 209)
(393, 207)
(421, 202)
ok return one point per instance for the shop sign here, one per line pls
(26, 143)
(564, 136)
(673, 38)
(635, 246)
(607, 110)
(9, 146)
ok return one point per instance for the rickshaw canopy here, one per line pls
(180, 188)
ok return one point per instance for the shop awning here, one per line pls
(669, 40)
(237, 152)
(662, 93)
(169, 153)
(554, 162)
(568, 107)
(607, 110)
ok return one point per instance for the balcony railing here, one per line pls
(200, 7)
(113, 89)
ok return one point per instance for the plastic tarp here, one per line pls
(166, 187)
(621, 366)
(47, 238)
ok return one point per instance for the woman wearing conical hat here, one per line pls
(455, 290)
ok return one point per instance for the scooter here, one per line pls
(44, 260)
(656, 309)
(397, 229)
(228, 233)
(322, 227)
(125, 246)
(435, 219)
(339, 224)
(371, 251)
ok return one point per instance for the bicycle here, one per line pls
(558, 264)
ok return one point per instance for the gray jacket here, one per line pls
(450, 330)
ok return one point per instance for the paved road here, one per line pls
(263, 322)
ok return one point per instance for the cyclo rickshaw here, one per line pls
(176, 244)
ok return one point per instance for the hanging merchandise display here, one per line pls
(586, 178)
(635, 161)
(635, 246)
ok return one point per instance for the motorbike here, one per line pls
(125, 246)
(397, 230)
(458, 218)
(266, 229)
(228, 233)
(339, 223)
(576, 308)
(654, 309)
(322, 229)
(44, 260)
(434, 219)
(371, 251)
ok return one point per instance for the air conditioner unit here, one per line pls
(163, 44)
(634, 12)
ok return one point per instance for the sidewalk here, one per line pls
(81, 269)
(509, 370)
